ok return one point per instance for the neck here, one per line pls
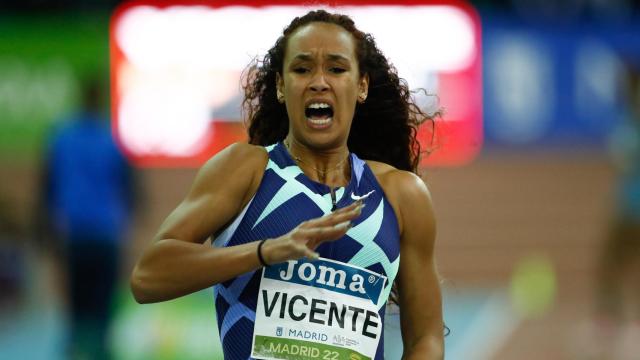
(328, 166)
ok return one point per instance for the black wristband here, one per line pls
(262, 262)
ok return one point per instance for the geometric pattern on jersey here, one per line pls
(285, 198)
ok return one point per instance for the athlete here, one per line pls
(319, 218)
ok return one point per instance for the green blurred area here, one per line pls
(184, 328)
(43, 59)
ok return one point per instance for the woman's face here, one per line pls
(321, 83)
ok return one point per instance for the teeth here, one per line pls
(320, 122)
(319, 106)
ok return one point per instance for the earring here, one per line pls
(280, 97)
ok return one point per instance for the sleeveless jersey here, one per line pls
(285, 198)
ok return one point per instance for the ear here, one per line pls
(363, 88)
(279, 83)
(279, 88)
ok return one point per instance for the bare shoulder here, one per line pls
(222, 187)
(241, 155)
(238, 167)
(397, 182)
(404, 190)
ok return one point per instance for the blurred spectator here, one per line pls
(12, 267)
(87, 200)
(617, 323)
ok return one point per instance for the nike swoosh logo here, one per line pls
(363, 197)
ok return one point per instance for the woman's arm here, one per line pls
(178, 263)
(419, 290)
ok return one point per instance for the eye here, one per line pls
(300, 70)
(337, 70)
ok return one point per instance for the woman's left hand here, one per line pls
(306, 237)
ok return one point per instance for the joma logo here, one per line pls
(323, 275)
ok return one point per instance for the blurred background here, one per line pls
(538, 245)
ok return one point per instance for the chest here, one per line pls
(282, 203)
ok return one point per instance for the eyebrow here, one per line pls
(308, 57)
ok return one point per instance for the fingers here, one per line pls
(286, 248)
(303, 240)
(341, 215)
(310, 254)
(351, 206)
(317, 235)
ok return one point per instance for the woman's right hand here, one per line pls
(306, 237)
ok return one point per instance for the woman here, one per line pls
(308, 237)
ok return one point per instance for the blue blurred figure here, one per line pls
(88, 199)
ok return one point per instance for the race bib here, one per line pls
(322, 309)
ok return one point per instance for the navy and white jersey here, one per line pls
(285, 198)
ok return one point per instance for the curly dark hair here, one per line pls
(384, 128)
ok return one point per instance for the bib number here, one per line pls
(321, 309)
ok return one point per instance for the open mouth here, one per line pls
(319, 114)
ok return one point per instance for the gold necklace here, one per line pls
(323, 172)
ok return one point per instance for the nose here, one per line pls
(319, 82)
